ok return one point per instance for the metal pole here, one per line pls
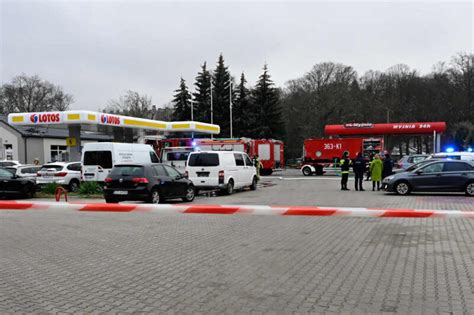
(434, 141)
(212, 109)
(230, 106)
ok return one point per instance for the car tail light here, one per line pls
(142, 180)
(221, 177)
(108, 180)
(38, 174)
(60, 174)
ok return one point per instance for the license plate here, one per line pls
(120, 192)
(203, 174)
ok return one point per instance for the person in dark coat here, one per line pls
(359, 169)
(387, 167)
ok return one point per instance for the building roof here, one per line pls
(47, 132)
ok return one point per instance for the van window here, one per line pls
(248, 161)
(101, 158)
(177, 156)
(204, 159)
(239, 160)
(153, 157)
(128, 170)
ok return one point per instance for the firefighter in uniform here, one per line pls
(345, 163)
(258, 165)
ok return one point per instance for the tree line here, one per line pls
(256, 112)
(329, 93)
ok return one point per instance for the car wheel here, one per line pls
(29, 191)
(190, 194)
(402, 188)
(155, 196)
(254, 184)
(73, 185)
(307, 171)
(230, 188)
(111, 200)
(470, 189)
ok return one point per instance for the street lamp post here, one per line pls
(230, 106)
(212, 108)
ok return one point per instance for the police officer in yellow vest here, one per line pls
(345, 163)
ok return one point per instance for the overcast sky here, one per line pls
(96, 50)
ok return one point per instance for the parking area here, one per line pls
(89, 262)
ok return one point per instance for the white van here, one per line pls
(463, 156)
(98, 159)
(223, 170)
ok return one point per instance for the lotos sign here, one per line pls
(110, 120)
(46, 118)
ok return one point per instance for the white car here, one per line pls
(9, 163)
(63, 173)
(463, 156)
(223, 170)
(25, 171)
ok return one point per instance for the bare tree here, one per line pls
(32, 94)
(132, 104)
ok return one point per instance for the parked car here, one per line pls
(439, 175)
(409, 160)
(9, 163)
(13, 186)
(63, 173)
(153, 183)
(27, 171)
(463, 156)
(223, 170)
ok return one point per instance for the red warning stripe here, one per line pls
(310, 211)
(212, 209)
(105, 207)
(407, 214)
(13, 205)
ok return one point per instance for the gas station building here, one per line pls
(56, 136)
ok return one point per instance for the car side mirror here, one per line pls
(418, 172)
(179, 176)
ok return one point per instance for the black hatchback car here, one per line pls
(437, 176)
(12, 185)
(147, 182)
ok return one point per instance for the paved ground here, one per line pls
(73, 262)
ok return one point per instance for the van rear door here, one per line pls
(203, 168)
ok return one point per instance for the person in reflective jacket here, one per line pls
(359, 169)
(345, 163)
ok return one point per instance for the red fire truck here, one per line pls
(321, 153)
(269, 151)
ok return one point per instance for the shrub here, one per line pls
(89, 188)
(50, 188)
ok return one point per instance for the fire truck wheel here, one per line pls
(307, 171)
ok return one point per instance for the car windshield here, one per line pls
(204, 159)
(45, 168)
(127, 170)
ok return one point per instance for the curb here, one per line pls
(239, 209)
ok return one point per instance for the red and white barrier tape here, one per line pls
(239, 209)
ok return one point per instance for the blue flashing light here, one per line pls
(469, 149)
(450, 149)
(193, 143)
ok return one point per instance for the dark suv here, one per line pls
(147, 182)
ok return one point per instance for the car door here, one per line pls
(178, 183)
(456, 175)
(240, 172)
(166, 183)
(10, 185)
(428, 178)
(250, 170)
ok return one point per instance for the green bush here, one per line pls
(89, 188)
(50, 188)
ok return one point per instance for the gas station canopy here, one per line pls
(79, 117)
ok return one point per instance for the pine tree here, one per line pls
(221, 88)
(243, 113)
(202, 96)
(181, 103)
(269, 123)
